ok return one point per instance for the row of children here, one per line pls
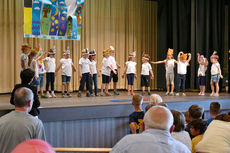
(189, 128)
(182, 63)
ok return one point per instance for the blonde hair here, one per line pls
(155, 99)
(137, 100)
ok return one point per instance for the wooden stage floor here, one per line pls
(100, 101)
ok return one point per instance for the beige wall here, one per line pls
(128, 25)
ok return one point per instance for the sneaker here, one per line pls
(116, 92)
(202, 94)
(48, 95)
(149, 93)
(79, 94)
(107, 94)
(96, 95)
(53, 95)
(177, 94)
(167, 93)
(183, 94)
(143, 93)
(216, 95)
(171, 94)
(87, 94)
(91, 95)
(212, 94)
(199, 94)
(68, 95)
(63, 95)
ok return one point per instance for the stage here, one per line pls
(99, 122)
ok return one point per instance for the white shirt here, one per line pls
(41, 67)
(113, 61)
(50, 64)
(85, 64)
(105, 70)
(183, 137)
(202, 69)
(66, 66)
(170, 66)
(214, 68)
(94, 66)
(146, 67)
(182, 68)
(131, 67)
(216, 138)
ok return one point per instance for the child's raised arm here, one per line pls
(158, 62)
(178, 56)
(189, 57)
(198, 58)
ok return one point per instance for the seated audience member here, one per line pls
(195, 112)
(136, 118)
(197, 130)
(33, 146)
(214, 110)
(187, 119)
(18, 126)
(27, 76)
(179, 132)
(154, 100)
(216, 138)
(156, 138)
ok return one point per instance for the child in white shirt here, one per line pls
(50, 72)
(215, 74)
(182, 64)
(92, 58)
(145, 77)
(169, 67)
(203, 64)
(115, 66)
(66, 64)
(106, 72)
(130, 71)
(84, 72)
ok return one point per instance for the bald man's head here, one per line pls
(22, 96)
(158, 117)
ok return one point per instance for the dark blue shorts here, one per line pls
(202, 80)
(145, 80)
(66, 79)
(114, 76)
(130, 78)
(105, 78)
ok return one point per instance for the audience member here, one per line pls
(214, 110)
(33, 146)
(187, 119)
(163, 104)
(197, 130)
(216, 138)
(136, 118)
(27, 76)
(156, 138)
(195, 112)
(179, 132)
(18, 126)
(155, 99)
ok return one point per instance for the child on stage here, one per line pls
(203, 64)
(145, 78)
(50, 72)
(115, 66)
(24, 57)
(106, 72)
(169, 67)
(130, 71)
(66, 64)
(215, 74)
(84, 72)
(182, 71)
(92, 58)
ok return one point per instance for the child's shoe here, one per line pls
(48, 95)
(63, 95)
(79, 94)
(68, 95)
(116, 92)
(202, 94)
(216, 95)
(177, 94)
(212, 94)
(183, 94)
(53, 95)
(171, 94)
(149, 93)
(87, 94)
(167, 93)
(143, 93)
(96, 94)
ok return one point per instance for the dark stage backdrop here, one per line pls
(193, 26)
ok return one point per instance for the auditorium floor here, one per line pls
(123, 98)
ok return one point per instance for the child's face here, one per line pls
(112, 53)
(26, 51)
(93, 57)
(183, 61)
(106, 55)
(66, 56)
(213, 60)
(51, 55)
(86, 55)
(193, 131)
(144, 60)
(133, 59)
(169, 56)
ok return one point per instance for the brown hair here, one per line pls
(215, 108)
(195, 111)
(199, 124)
(148, 107)
(163, 104)
(137, 100)
(31, 56)
(224, 117)
(179, 121)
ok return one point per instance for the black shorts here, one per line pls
(105, 78)
(130, 78)
(145, 80)
(114, 76)
(202, 80)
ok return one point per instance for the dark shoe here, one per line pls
(88, 95)
(79, 95)
(63, 95)
(149, 93)
(69, 95)
(96, 95)
(143, 93)
(116, 93)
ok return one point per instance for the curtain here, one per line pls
(128, 25)
(195, 26)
